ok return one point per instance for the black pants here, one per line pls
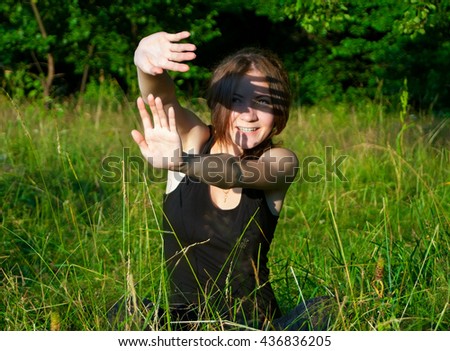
(316, 314)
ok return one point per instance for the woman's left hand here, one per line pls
(161, 144)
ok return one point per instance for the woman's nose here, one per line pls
(249, 115)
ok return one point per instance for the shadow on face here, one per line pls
(264, 92)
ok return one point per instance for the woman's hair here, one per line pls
(223, 85)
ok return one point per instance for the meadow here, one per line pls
(366, 221)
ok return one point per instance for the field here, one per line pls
(367, 220)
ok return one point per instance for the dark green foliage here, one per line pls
(334, 50)
(367, 48)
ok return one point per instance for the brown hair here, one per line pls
(223, 85)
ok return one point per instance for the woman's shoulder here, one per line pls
(197, 138)
(283, 163)
(280, 154)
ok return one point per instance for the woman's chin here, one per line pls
(246, 145)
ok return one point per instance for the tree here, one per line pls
(83, 38)
(360, 47)
(47, 83)
(334, 50)
(22, 31)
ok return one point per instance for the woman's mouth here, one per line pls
(246, 129)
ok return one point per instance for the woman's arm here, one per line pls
(155, 55)
(275, 169)
(161, 145)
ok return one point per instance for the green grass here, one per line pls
(73, 244)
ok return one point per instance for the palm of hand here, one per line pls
(161, 51)
(161, 143)
(163, 147)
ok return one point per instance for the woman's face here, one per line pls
(252, 118)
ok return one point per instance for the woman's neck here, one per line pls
(220, 148)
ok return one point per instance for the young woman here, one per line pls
(226, 181)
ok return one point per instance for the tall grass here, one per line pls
(73, 244)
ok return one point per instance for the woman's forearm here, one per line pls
(160, 85)
(227, 171)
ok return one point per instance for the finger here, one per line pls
(145, 117)
(172, 121)
(139, 139)
(182, 56)
(141, 142)
(161, 113)
(178, 67)
(154, 111)
(155, 71)
(183, 48)
(178, 36)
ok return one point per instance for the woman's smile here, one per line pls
(247, 129)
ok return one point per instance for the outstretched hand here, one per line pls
(161, 144)
(161, 51)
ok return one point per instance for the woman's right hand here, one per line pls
(160, 144)
(162, 51)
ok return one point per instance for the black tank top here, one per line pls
(216, 255)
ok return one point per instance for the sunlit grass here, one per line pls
(75, 241)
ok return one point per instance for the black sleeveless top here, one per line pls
(219, 256)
